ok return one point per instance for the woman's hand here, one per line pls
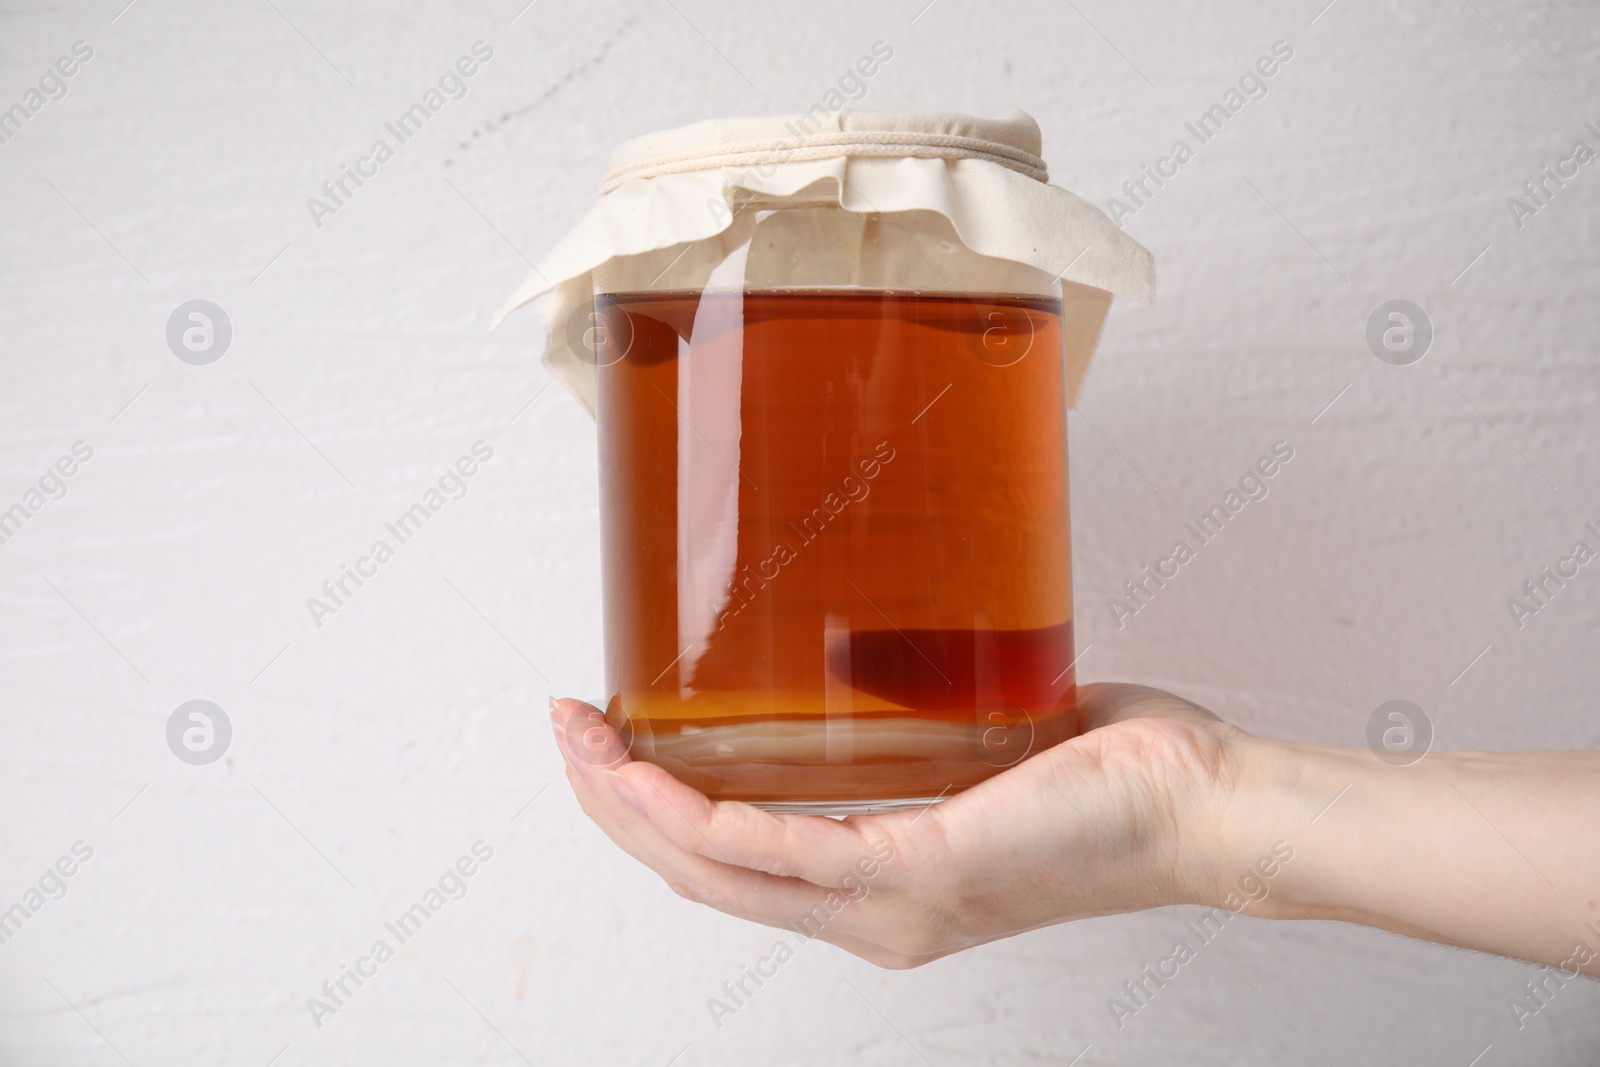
(1157, 802)
(1121, 818)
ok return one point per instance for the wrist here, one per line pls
(1222, 844)
(1481, 850)
(1268, 827)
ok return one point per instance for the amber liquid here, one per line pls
(836, 538)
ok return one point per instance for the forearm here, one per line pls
(1498, 852)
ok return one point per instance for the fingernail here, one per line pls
(626, 792)
(554, 711)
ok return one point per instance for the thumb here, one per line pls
(1103, 703)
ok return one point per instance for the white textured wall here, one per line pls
(373, 752)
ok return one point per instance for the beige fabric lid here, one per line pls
(1011, 141)
(681, 186)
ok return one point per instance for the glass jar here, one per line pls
(834, 508)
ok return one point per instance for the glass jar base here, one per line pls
(838, 809)
(845, 765)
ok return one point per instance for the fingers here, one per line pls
(984, 864)
(821, 851)
(750, 894)
(812, 876)
(590, 740)
(818, 850)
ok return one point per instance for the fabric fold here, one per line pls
(677, 188)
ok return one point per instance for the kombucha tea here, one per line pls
(836, 540)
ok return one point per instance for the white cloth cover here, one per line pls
(984, 176)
